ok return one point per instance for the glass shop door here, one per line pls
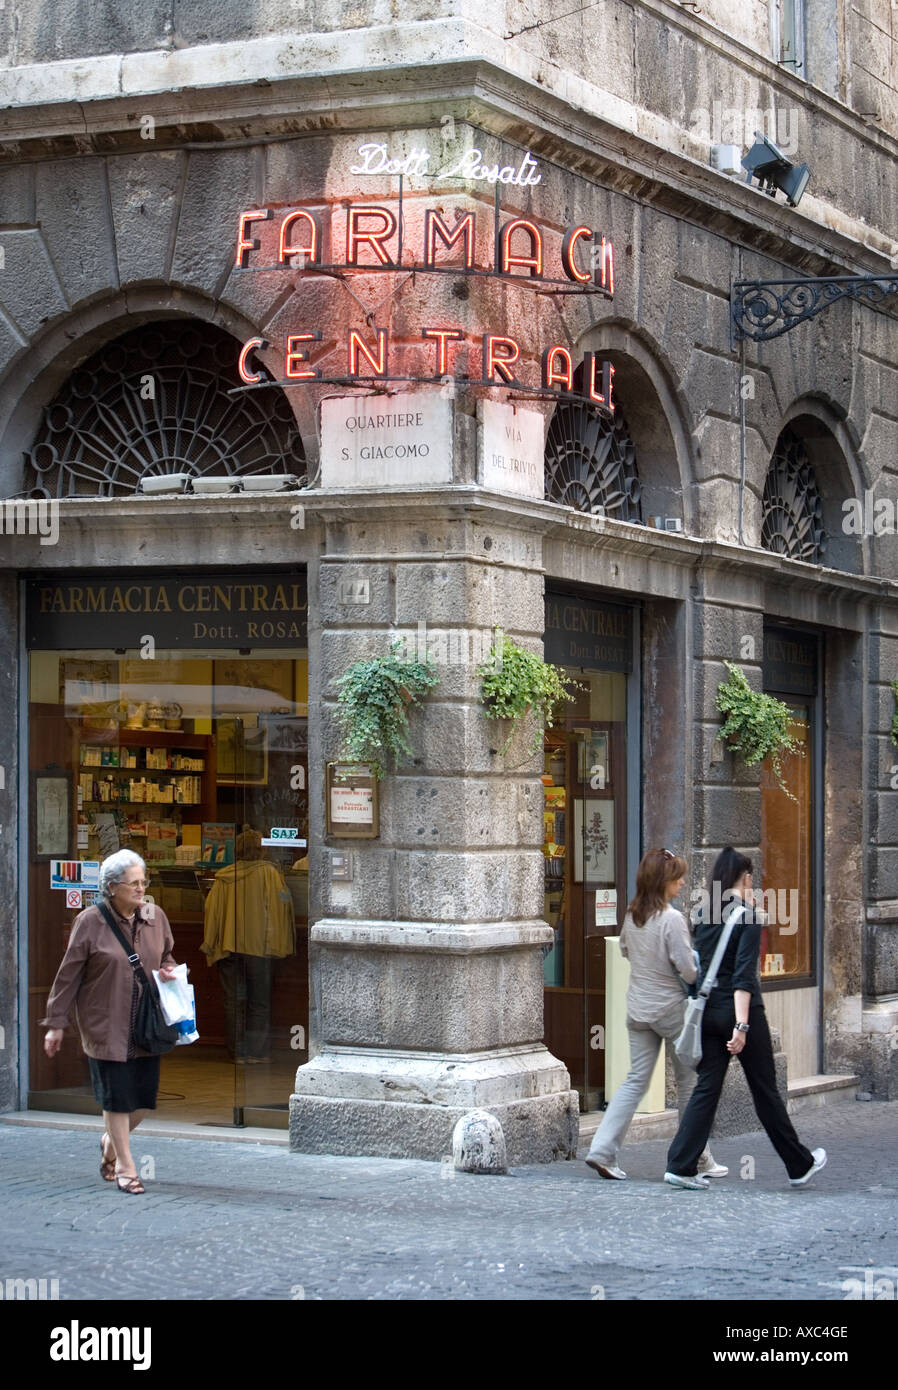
(256, 909)
(585, 849)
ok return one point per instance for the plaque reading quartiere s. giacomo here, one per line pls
(376, 441)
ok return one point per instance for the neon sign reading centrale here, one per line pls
(372, 236)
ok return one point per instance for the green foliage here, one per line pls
(757, 725)
(375, 697)
(514, 681)
(895, 715)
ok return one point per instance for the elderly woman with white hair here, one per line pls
(97, 983)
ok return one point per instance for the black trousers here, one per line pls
(757, 1063)
(246, 989)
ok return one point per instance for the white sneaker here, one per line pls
(695, 1184)
(819, 1157)
(606, 1170)
(710, 1168)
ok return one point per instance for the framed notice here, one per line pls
(51, 815)
(241, 753)
(351, 801)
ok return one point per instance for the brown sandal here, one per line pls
(107, 1165)
(130, 1183)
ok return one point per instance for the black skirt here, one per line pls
(123, 1087)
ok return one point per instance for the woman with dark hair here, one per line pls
(735, 1025)
(656, 941)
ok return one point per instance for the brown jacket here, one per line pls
(94, 979)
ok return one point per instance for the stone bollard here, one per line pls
(478, 1144)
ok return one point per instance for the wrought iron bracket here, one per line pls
(765, 309)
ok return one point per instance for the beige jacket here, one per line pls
(660, 953)
(249, 912)
(94, 981)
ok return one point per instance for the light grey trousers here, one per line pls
(645, 1044)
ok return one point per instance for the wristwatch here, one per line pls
(741, 1028)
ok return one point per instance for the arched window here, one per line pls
(590, 462)
(793, 508)
(156, 401)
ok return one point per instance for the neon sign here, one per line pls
(376, 240)
(375, 160)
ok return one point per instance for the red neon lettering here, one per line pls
(534, 261)
(355, 235)
(434, 226)
(553, 376)
(296, 355)
(310, 250)
(603, 397)
(249, 377)
(571, 270)
(246, 244)
(442, 337)
(357, 345)
(493, 364)
(607, 277)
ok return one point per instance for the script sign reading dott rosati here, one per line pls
(256, 610)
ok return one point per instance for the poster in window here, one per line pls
(592, 758)
(51, 802)
(594, 841)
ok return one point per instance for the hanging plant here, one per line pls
(894, 685)
(514, 681)
(375, 697)
(756, 725)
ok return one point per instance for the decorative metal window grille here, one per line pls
(591, 463)
(793, 507)
(156, 401)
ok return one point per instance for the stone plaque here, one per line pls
(384, 441)
(512, 449)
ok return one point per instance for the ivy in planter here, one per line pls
(756, 725)
(374, 702)
(514, 681)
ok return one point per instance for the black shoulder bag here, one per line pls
(151, 1032)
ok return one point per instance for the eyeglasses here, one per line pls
(667, 854)
(135, 883)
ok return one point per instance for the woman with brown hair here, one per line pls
(656, 941)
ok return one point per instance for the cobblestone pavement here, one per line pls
(253, 1221)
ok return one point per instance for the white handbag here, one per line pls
(688, 1045)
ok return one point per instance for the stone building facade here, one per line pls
(148, 161)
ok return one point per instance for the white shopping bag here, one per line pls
(175, 996)
(188, 1025)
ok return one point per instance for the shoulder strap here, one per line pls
(133, 957)
(710, 979)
